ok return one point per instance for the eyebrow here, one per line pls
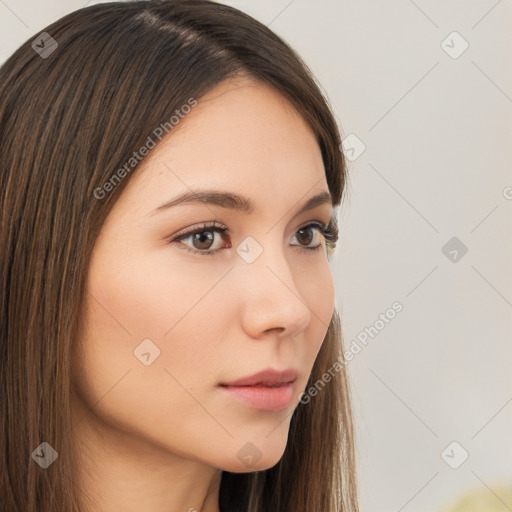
(234, 201)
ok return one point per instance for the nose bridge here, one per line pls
(263, 254)
(269, 284)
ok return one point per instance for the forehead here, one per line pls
(241, 116)
(242, 136)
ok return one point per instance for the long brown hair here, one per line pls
(73, 110)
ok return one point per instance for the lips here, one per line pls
(268, 390)
(265, 378)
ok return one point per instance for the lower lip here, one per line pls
(262, 397)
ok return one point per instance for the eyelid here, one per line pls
(223, 228)
(199, 228)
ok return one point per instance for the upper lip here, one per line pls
(267, 377)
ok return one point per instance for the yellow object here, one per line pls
(484, 500)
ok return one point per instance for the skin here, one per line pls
(155, 438)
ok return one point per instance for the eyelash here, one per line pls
(330, 234)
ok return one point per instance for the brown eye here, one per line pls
(305, 235)
(203, 239)
(329, 235)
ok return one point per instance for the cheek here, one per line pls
(183, 316)
(327, 292)
(321, 300)
(147, 297)
(191, 313)
(318, 293)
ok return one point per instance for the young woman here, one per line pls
(168, 336)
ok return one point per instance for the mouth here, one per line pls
(268, 390)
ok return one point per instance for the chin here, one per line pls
(249, 458)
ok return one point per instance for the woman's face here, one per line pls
(167, 326)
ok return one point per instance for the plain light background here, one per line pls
(427, 126)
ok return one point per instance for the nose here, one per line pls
(271, 300)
